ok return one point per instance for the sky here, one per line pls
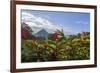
(74, 22)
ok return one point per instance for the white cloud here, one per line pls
(36, 21)
(26, 17)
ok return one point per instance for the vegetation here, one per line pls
(57, 47)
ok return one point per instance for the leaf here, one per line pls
(62, 42)
(51, 46)
(51, 42)
(60, 33)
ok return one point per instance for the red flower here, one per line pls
(55, 36)
(24, 35)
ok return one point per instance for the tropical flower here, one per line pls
(24, 34)
(55, 36)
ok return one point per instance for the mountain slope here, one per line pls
(42, 34)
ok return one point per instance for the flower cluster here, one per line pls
(24, 35)
(55, 36)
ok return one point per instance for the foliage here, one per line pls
(58, 47)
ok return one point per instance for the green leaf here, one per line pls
(52, 46)
(51, 42)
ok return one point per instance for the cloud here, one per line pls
(27, 17)
(37, 21)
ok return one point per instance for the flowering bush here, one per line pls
(57, 47)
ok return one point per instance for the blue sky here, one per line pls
(73, 21)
